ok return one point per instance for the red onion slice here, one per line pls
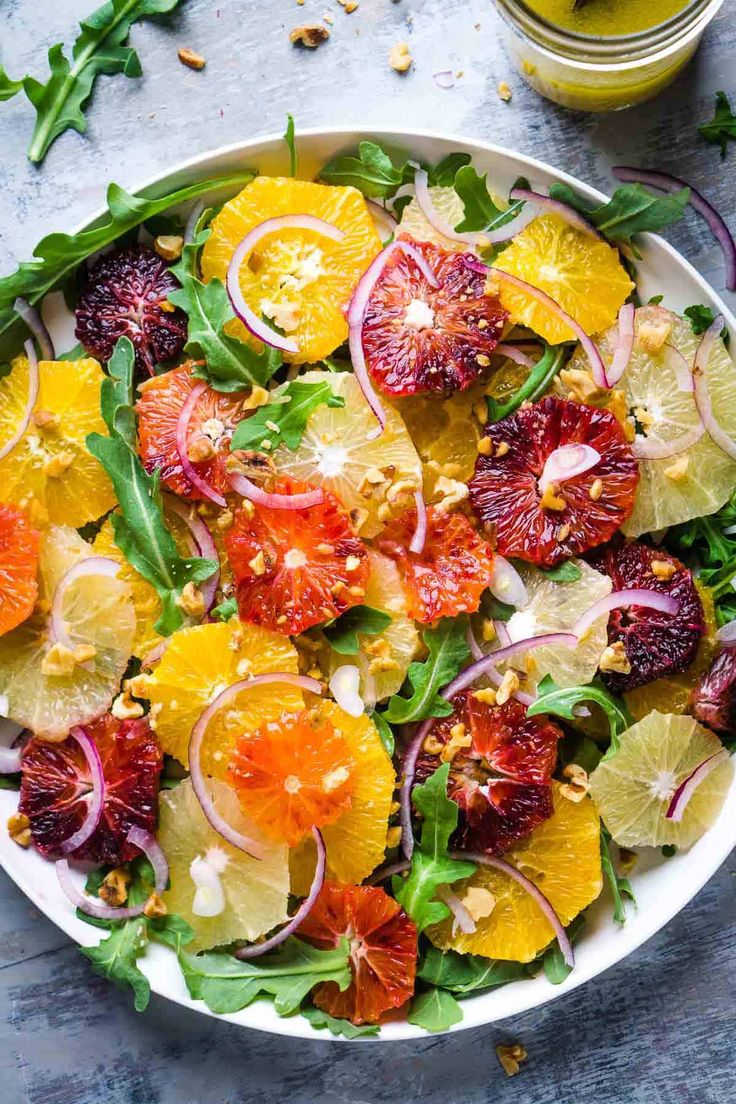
(624, 345)
(462, 920)
(566, 462)
(385, 222)
(301, 501)
(193, 219)
(301, 913)
(96, 796)
(507, 584)
(474, 647)
(727, 633)
(646, 448)
(247, 316)
(206, 547)
(416, 545)
(199, 784)
(30, 402)
(502, 633)
(664, 182)
(700, 387)
(148, 844)
(511, 352)
(496, 679)
(617, 599)
(687, 788)
(35, 324)
(675, 361)
(388, 871)
(155, 654)
(533, 890)
(182, 433)
(545, 204)
(90, 565)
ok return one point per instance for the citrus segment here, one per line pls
(414, 223)
(19, 545)
(445, 433)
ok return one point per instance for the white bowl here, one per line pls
(662, 886)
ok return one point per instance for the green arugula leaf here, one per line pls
(632, 209)
(57, 255)
(77, 353)
(372, 172)
(230, 364)
(480, 210)
(99, 49)
(536, 383)
(555, 967)
(319, 1020)
(580, 749)
(11, 781)
(560, 701)
(566, 572)
(290, 140)
(701, 317)
(226, 985)
(467, 973)
(430, 866)
(342, 633)
(435, 1010)
(284, 418)
(620, 887)
(722, 127)
(226, 609)
(448, 651)
(171, 930)
(384, 731)
(116, 958)
(8, 87)
(668, 850)
(139, 529)
(706, 541)
(444, 172)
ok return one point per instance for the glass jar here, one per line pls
(601, 73)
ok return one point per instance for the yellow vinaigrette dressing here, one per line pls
(601, 55)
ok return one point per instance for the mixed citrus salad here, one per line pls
(365, 580)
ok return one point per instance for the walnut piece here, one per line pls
(310, 35)
(19, 829)
(511, 1057)
(399, 57)
(614, 658)
(190, 59)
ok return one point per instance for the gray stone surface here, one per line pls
(656, 1029)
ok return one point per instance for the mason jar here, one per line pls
(597, 72)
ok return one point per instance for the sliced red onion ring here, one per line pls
(199, 784)
(155, 654)
(191, 224)
(512, 352)
(247, 316)
(30, 402)
(96, 795)
(416, 544)
(206, 547)
(502, 633)
(440, 224)
(545, 204)
(148, 844)
(664, 182)
(444, 78)
(507, 584)
(182, 434)
(302, 501)
(35, 324)
(617, 599)
(462, 920)
(727, 633)
(646, 448)
(388, 871)
(589, 347)
(301, 913)
(534, 892)
(702, 396)
(566, 462)
(687, 788)
(90, 565)
(385, 222)
(624, 345)
(675, 361)
(475, 649)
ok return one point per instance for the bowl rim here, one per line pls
(523, 996)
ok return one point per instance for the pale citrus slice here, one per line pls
(298, 279)
(197, 665)
(357, 841)
(447, 203)
(50, 472)
(251, 894)
(633, 788)
(445, 433)
(340, 452)
(562, 858)
(383, 659)
(47, 690)
(581, 273)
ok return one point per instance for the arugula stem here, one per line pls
(536, 383)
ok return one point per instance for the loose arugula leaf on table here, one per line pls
(342, 633)
(561, 701)
(632, 209)
(229, 364)
(463, 974)
(284, 418)
(8, 87)
(434, 1010)
(555, 967)
(319, 1020)
(430, 865)
(701, 317)
(57, 255)
(139, 528)
(288, 974)
(448, 652)
(226, 609)
(536, 383)
(722, 127)
(620, 887)
(290, 140)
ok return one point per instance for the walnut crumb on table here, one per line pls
(190, 59)
(504, 91)
(311, 35)
(511, 1057)
(399, 57)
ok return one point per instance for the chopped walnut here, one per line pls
(663, 569)
(550, 499)
(19, 829)
(190, 59)
(432, 745)
(114, 888)
(200, 449)
(192, 601)
(627, 860)
(504, 91)
(578, 785)
(653, 334)
(352, 563)
(58, 662)
(258, 563)
(509, 685)
(46, 419)
(487, 695)
(563, 532)
(401, 489)
(478, 902)
(310, 35)
(169, 246)
(488, 630)
(485, 446)
(224, 521)
(393, 837)
(382, 663)
(124, 708)
(259, 396)
(678, 468)
(580, 386)
(614, 658)
(55, 466)
(84, 653)
(448, 493)
(139, 686)
(596, 489)
(502, 448)
(644, 417)
(459, 739)
(511, 1057)
(155, 909)
(399, 57)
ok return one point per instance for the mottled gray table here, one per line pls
(656, 1029)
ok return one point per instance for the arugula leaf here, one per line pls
(116, 958)
(12, 781)
(466, 973)
(560, 701)
(284, 417)
(448, 651)
(56, 255)
(580, 749)
(319, 1019)
(632, 209)
(372, 172)
(139, 529)
(290, 140)
(430, 865)
(536, 383)
(99, 49)
(171, 930)
(701, 317)
(229, 364)
(226, 984)
(444, 172)
(706, 541)
(566, 572)
(342, 633)
(226, 609)
(555, 967)
(620, 887)
(8, 87)
(722, 127)
(435, 1010)
(384, 731)
(480, 210)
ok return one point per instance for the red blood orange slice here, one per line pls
(19, 551)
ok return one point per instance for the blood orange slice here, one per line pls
(19, 546)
